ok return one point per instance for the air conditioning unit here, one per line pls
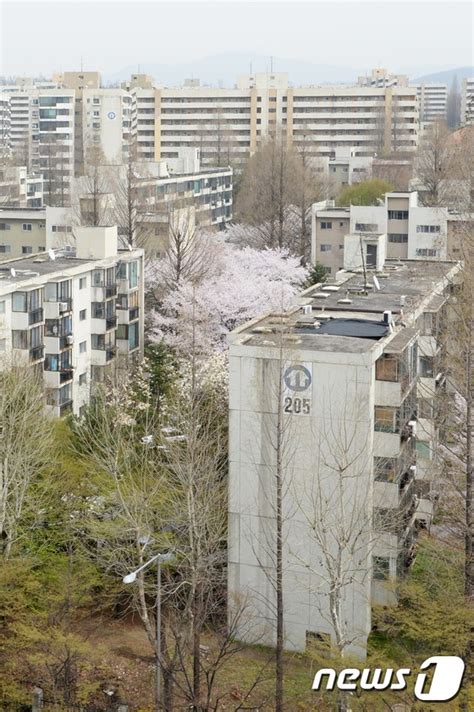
(307, 309)
(412, 426)
(70, 339)
(62, 306)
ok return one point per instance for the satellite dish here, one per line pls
(51, 255)
(376, 283)
(12, 272)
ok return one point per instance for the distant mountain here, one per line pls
(223, 70)
(447, 76)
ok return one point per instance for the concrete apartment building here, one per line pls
(412, 231)
(381, 77)
(25, 231)
(467, 101)
(433, 102)
(176, 189)
(74, 318)
(228, 124)
(341, 391)
(19, 189)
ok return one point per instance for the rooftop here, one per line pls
(347, 315)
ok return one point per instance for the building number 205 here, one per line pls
(298, 406)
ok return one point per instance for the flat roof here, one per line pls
(39, 265)
(347, 315)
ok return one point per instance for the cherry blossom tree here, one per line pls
(196, 317)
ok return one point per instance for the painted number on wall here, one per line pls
(297, 379)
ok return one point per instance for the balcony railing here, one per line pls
(111, 323)
(110, 291)
(65, 408)
(133, 313)
(66, 374)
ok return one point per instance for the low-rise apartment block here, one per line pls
(411, 231)
(20, 189)
(336, 400)
(74, 315)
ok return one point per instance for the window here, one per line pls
(428, 228)
(98, 341)
(26, 250)
(4, 226)
(366, 227)
(326, 225)
(381, 568)
(397, 237)
(385, 469)
(426, 408)
(122, 331)
(82, 315)
(19, 302)
(133, 336)
(426, 252)
(133, 272)
(82, 282)
(325, 248)
(398, 214)
(83, 347)
(386, 419)
(98, 278)
(5, 248)
(423, 449)
(27, 227)
(98, 310)
(386, 368)
(20, 339)
(426, 367)
(82, 379)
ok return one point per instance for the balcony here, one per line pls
(36, 354)
(133, 313)
(110, 352)
(110, 323)
(65, 408)
(35, 317)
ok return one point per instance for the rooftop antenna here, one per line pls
(250, 68)
(82, 63)
(363, 262)
(271, 65)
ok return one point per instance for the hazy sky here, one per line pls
(40, 37)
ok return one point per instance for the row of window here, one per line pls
(26, 227)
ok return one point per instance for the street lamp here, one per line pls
(130, 578)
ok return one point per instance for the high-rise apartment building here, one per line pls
(433, 102)
(467, 101)
(335, 400)
(381, 77)
(75, 318)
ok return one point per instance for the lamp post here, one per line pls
(130, 578)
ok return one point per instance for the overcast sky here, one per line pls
(42, 37)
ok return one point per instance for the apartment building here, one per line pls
(336, 400)
(162, 193)
(5, 125)
(433, 102)
(228, 124)
(467, 101)
(106, 125)
(19, 189)
(74, 315)
(412, 231)
(380, 77)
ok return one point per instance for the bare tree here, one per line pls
(25, 443)
(435, 164)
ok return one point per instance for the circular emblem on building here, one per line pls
(297, 378)
(111, 115)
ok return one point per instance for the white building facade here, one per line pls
(326, 400)
(75, 318)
